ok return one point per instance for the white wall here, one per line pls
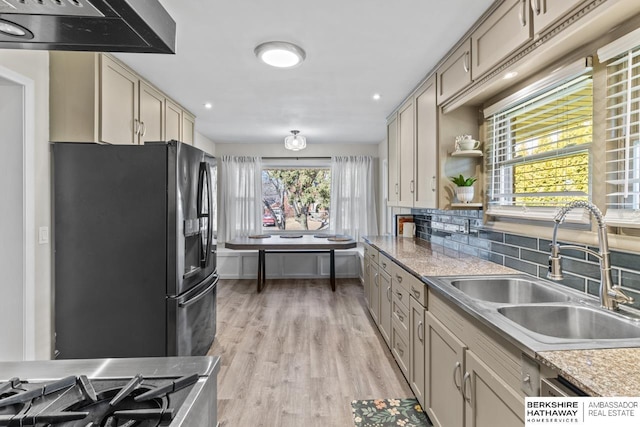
(312, 150)
(204, 143)
(35, 66)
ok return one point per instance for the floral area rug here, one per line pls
(388, 413)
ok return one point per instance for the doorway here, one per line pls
(17, 247)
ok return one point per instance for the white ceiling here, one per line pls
(354, 48)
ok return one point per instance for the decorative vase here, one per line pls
(464, 194)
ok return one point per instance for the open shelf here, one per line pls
(467, 153)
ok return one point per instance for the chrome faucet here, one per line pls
(610, 295)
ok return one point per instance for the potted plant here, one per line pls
(464, 188)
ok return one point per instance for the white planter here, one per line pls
(464, 194)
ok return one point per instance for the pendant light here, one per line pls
(295, 142)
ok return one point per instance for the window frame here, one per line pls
(556, 78)
(294, 163)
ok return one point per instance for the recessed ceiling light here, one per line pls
(280, 54)
(510, 75)
(376, 96)
(208, 105)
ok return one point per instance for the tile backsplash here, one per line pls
(462, 230)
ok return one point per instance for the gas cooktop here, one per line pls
(147, 392)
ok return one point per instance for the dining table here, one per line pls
(294, 243)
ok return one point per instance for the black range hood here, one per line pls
(87, 25)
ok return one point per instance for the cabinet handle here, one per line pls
(144, 128)
(411, 186)
(433, 184)
(399, 295)
(389, 293)
(396, 188)
(536, 6)
(465, 63)
(401, 351)
(375, 279)
(467, 376)
(373, 255)
(421, 331)
(415, 292)
(136, 127)
(523, 11)
(384, 265)
(457, 368)
(400, 316)
(399, 278)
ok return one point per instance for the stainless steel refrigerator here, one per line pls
(135, 250)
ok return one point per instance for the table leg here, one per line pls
(260, 269)
(332, 269)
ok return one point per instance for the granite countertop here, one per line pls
(602, 372)
(426, 259)
(599, 372)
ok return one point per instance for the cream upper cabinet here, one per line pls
(489, 402)
(95, 98)
(173, 121)
(151, 122)
(406, 119)
(546, 12)
(392, 161)
(188, 127)
(455, 73)
(426, 146)
(508, 28)
(444, 368)
(118, 103)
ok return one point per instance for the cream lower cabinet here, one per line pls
(371, 263)
(366, 277)
(417, 319)
(489, 401)
(444, 368)
(462, 390)
(384, 320)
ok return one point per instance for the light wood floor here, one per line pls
(297, 354)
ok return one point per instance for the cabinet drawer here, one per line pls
(385, 264)
(400, 348)
(400, 294)
(401, 278)
(418, 290)
(371, 253)
(400, 315)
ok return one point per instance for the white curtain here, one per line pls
(353, 204)
(241, 196)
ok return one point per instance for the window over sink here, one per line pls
(538, 154)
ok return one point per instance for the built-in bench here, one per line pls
(243, 264)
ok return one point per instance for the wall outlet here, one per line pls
(43, 235)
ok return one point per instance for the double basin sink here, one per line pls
(539, 314)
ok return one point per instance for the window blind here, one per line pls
(623, 139)
(537, 151)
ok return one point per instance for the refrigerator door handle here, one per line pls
(205, 175)
(199, 295)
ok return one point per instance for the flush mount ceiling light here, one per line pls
(295, 142)
(280, 54)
